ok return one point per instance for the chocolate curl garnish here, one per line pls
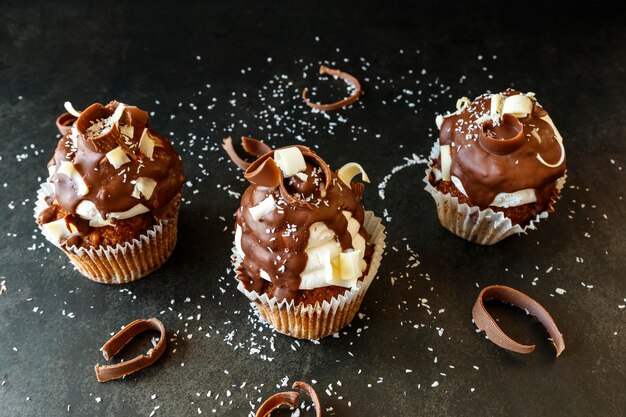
(290, 398)
(502, 145)
(357, 189)
(252, 146)
(106, 141)
(339, 104)
(264, 172)
(65, 122)
(106, 373)
(307, 153)
(485, 322)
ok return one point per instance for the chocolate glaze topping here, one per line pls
(492, 158)
(110, 188)
(276, 243)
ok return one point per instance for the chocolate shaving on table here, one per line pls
(290, 398)
(106, 373)
(341, 103)
(485, 322)
(65, 122)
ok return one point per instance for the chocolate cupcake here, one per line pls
(497, 168)
(305, 249)
(113, 192)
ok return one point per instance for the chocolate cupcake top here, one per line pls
(300, 224)
(501, 150)
(109, 165)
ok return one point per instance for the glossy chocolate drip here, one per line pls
(492, 159)
(276, 243)
(110, 189)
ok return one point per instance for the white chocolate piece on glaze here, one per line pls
(263, 208)
(68, 169)
(238, 234)
(117, 157)
(497, 101)
(446, 161)
(88, 211)
(349, 171)
(439, 121)
(146, 144)
(290, 161)
(127, 130)
(519, 106)
(144, 186)
(132, 212)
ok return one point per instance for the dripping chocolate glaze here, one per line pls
(276, 243)
(110, 189)
(483, 173)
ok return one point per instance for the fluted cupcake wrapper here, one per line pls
(485, 227)
(315, 321)
(121, 263)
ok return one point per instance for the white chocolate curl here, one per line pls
(71, 110)
(146, 144)
(117, 157)
(446, 161)
(263, 208)
(290, 161)
(439, 121)
(351, 170)
(144, 187)
(497, 101)
(68, 169)
(462, 103)
(350, 264)
(519, 106)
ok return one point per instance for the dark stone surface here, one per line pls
(141, 52)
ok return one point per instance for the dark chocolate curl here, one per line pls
(227, 145)
(254, 146)
(264, 172)
(485, 322)
(106, 373)
(341, 103)
(65, 122)
(290, 398)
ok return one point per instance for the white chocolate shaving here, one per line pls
(446, 161)
(351, 170)
(497, 101)
(263, 208)
(144, 187)
(290, 161)
(117, 114)
(68, 169)
(132, 212)
(117, 157)
(350, 264)
(88, 211)
(536, 135)
(519, 106)
(462, 103)
(58, 229)
(458, 184)
(482, 119)
(71, 110)
(439, 121)
(127, 130)
(146, 144)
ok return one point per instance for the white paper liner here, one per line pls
(308, 321)
(121, 263)
(485, 227)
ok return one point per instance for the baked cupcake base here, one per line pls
(125, 263)
(485, 227)
(315, 321)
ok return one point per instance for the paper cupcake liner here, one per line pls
(485, 227)
(315, 321)
(121, 263)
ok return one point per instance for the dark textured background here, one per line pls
(414, 61)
